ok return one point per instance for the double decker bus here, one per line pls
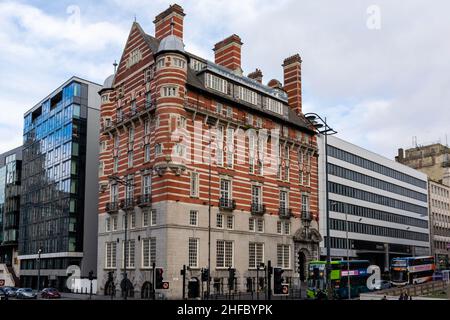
(412, 270)
(340, 271)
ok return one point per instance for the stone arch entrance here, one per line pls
(127, 287)
(302, 264)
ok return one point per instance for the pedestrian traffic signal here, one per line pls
(277, 281)
(159, 278)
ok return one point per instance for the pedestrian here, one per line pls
(384, 298)
(405, 297)
(410, 297)
(401, 296)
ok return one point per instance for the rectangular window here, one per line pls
(114, 223)
(193, 252)
(255, 254)
(158, 149)
(230, 222)
(108, 224)
(256, 195)
(193, 218)
(148, 252)
(230, 147)
(170, 91)
(216, 83)
(286, 228)
(130, 159)
(110, 259)
(283, 200)
(130, 253)
(146, 185)
(147, 151)
(225, 191)
(224, 254)
(251, 224)
(145, 218)
(260, 225)
(133, 220)
(248, 95)
(153, 217)
(283, 256)
(116, 164)
(194, 184)
(219, 220)
(219, 144)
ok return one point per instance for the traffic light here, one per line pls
(277, 281)
(159, 278)
(231, 277)
(205, 275)
(91, 275)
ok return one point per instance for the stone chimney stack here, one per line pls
(292, 70)
(256, 75)
(170, 21)
(227, 53)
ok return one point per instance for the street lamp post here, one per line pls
(323, 128)
(39, 270)
(125, 276)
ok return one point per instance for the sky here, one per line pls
(379, 70)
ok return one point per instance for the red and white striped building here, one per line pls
(182, 132)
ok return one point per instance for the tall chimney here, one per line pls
(227, 53)
(256, 75)
(170, 21)
(292, 68)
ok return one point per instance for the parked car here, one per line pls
(50, 293)
(10, 291)
(26, 293)
(3, 294)
(382, 284)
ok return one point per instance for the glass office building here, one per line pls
(10, 176)
(60, 152)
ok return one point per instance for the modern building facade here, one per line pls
(434, 160)
(58, 221)
(10, 176)
(378, 208)
(439, 195)
(202, 166)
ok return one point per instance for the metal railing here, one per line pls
(258, 208)
(285, 213)
(227, 204)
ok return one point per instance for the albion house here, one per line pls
(202, 166)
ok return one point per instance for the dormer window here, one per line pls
(135, 57)
(248, 95)
(216, 83)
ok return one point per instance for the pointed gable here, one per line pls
(138, 52)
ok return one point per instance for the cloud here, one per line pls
(378, 88)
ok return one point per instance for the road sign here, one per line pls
(284, 290)
(165, 285)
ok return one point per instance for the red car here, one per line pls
(50, 293)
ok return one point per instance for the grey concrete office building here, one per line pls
(383, 203)
(58, 221)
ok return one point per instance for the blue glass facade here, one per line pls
(10, 176)
(54, 150)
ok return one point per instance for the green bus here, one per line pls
(317, 278)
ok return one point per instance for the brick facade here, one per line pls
(171, 104)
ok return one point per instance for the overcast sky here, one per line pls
(378, 70)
